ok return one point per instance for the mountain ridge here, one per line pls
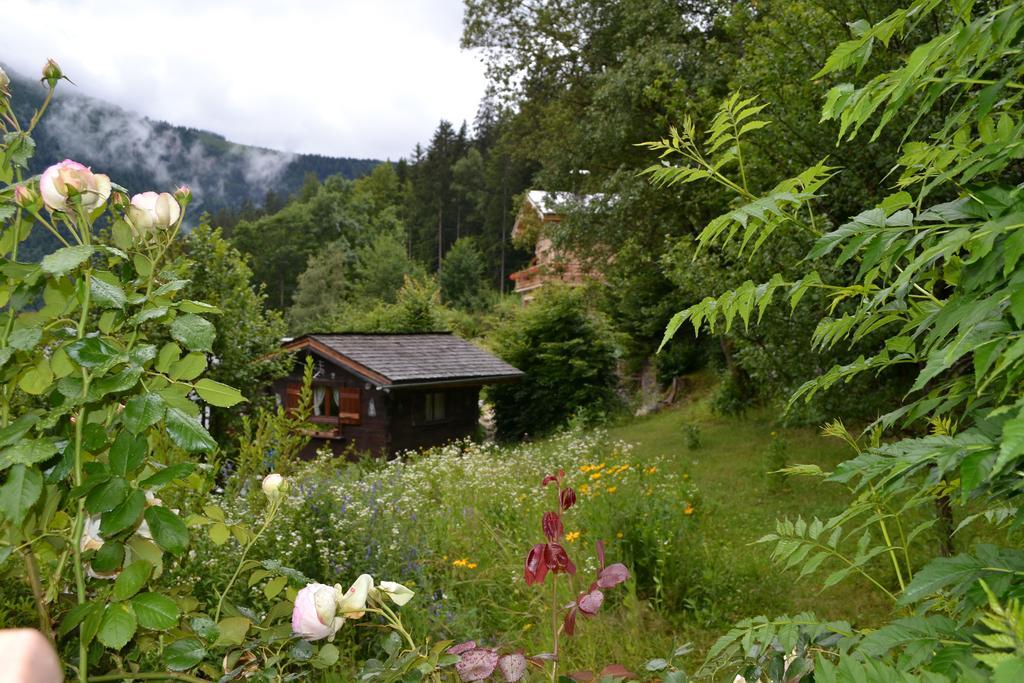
(146, 154)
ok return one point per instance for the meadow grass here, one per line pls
(740, 503)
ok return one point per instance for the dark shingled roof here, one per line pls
(413, 358)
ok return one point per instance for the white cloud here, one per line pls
(338, 77)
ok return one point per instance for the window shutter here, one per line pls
(292, 397)
(349, 405)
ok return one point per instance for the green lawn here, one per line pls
(740, 503)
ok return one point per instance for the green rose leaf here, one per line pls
(106, 291)
(92, 352)
(91, 623)
(168, 474)
(232, 630)
(65, 260)
(132, 579)
(76, 615)
(327, 656)
(184, 654)
(38, 379)
(119, 381)
(220, 395)
(301, 651)
(155, 611)
(108, 558)
(194, 332)
(168, 530)
(26, 338)
(17, 429)
(107, 495)
(205, 628)
(124, 515)
(20, 492)
(219, 533)
(27, 452)
(127, 453)
(187, 433)
(142, 412)
(118, 626)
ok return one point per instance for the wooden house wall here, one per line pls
(398, 424)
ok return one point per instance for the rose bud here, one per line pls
(150, 210)
(52, 73)
(5, 81)
(183, 194)
(69, 178)
(119, 200)
(274, 485)
(398, 593)
(25, 197)
(315, 614)
(353, 602)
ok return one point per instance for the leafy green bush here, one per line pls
(569, 362)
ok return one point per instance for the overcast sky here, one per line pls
(359, 78)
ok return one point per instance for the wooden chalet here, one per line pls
(539, 215)
(388, 393)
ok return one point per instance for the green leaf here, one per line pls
(194, 332)
(327, 656)
(219, 533)
(106, 496)
(218, 394)
(205, 628)
(106, 292)
(155, 611)
(142, 412)
(168, 474)
(66, 259)
(189, 367)
(275, 586)
(132, 579)
(187, 433)
(124, 515)
(168, 530)
(169, 353)
(20, 492)
(184, 654)
(232, 630)
(127, 453)
(118, 626)
(27, 452)
(26, 338)
(38, 379)
(76, 615)
(108, 558)
(92, 352)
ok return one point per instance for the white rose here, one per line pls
(151, 210)
(60, 180)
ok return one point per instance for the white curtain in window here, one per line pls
(319, 394)
(336, 392)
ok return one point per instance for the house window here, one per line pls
(434, 409)
(330, 404)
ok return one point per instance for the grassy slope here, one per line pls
(740, 503)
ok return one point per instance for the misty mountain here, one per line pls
(142, 154)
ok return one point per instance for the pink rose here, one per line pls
(152, 210)
(313, 617)
(70, 177)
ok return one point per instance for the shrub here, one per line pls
(569, 362)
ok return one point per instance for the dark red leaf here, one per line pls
(569, 623)
(600, 554)
(552, 525)
(512, 667)
(557, 559)
(590, 602)
(567, 498)
(476, 665)
(582, 675)
(541, 658)
(548, 479)
(612, 575)
(536, 566)
(462, 647)
(617, 670)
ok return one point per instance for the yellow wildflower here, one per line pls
(686, 476)
(618, 535)
(572, 536)
(688, 510)
(613, 489)
(527, 627)
(585, 489)
(651, 470)
(585, 468)
(595, 475)
(471, 565)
